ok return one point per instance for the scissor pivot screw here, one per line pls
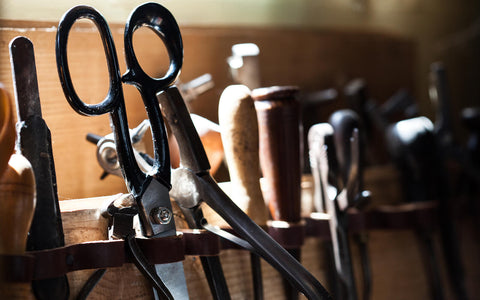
(161, 215)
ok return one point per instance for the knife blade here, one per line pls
(35, 144)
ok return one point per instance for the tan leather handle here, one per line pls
(239, 130)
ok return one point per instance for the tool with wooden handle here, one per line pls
(7, 130)
(201, 187)
(278, 113)
(17, 202)
(244, 65)
(34, 141)
(239, 130)
(279, 137)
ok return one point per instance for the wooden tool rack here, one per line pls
(331, 58)
(79, 259)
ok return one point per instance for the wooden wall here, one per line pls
(311, 59)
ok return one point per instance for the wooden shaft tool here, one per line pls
(279, 136)
(278, 113)
(239, 130)
(17, 202)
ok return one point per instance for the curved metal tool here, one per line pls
(193, 216)
(321, 137)
(202, 187)
(412, 145)
(346, 126)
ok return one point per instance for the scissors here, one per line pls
(193, 183)
(106, 150)
(149, 190)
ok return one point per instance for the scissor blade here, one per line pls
(156, 197)
(173, 276)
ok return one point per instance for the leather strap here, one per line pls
(106, 254)
(92, 255)
(16, 268)
(289, 235)
(200, 242)
(412, 216)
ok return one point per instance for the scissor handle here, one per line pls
(114, 95)
(113, 102)
(162, 22)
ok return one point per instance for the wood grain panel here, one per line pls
(311, 59)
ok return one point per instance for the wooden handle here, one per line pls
(17, 198)
(278, 113)
(7, 130)
(17, 204)
(244, 65)
(239, 130)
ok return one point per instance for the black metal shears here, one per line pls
(150, 191)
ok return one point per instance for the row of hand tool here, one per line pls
(150, 184)
(369, 134)
(261, 134)
(432, 165)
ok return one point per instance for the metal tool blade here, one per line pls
(172, 274)
(34, 142)
(25, 78)
(173, 277)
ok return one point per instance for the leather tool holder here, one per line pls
(111, 253)
(289, 235)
